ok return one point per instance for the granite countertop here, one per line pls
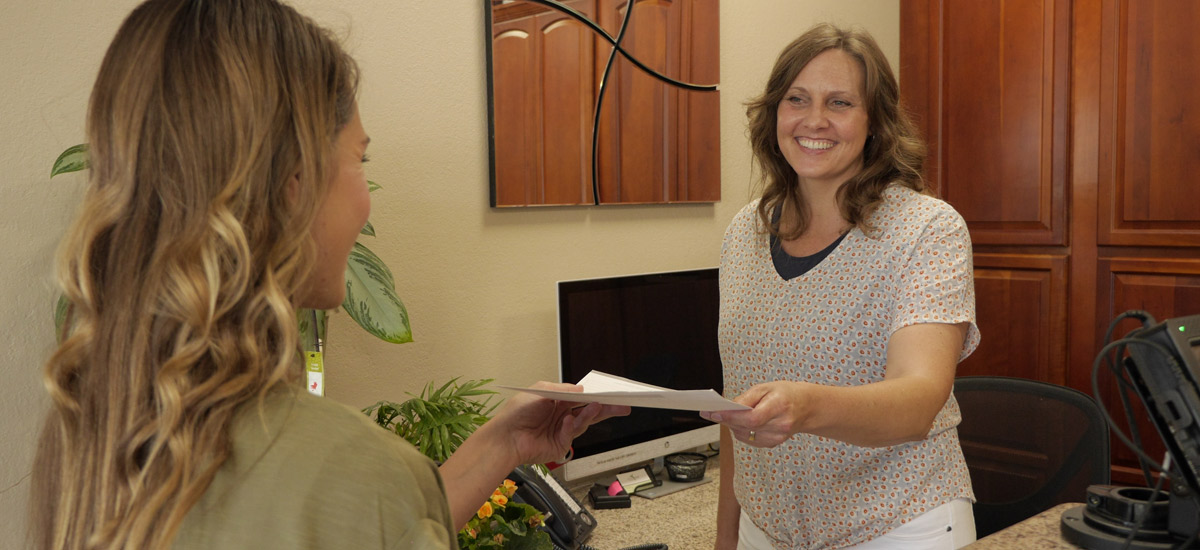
(1041, 531)
(686, 520)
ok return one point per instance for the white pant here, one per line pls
(947, 527)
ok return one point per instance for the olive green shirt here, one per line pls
(310, 473)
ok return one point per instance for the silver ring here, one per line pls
(751, 435)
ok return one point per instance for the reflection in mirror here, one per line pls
(565, 104)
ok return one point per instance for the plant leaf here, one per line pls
(371, 298)
(368, 229)
(372, 186)
(74, 159)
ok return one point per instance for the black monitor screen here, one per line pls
(659, 329)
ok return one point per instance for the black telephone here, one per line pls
(569, 523)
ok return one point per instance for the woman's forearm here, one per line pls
(475, 470)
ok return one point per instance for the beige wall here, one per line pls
(478, 282)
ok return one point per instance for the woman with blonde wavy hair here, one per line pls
(226, 191)
(847, 302)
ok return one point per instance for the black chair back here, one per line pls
(1029, 446)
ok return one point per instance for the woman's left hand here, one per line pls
(541, 430)
(776, 412)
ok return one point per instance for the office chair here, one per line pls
(1029, 446)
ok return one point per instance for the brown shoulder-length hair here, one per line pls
(211, 129)
(894, 153)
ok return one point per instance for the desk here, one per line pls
(686, 520)
(1041, 531)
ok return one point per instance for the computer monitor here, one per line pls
(657, 328)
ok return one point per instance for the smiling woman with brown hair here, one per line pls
(225, 193)
(847, 301)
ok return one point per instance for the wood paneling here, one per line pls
(1082, 109)
(991, 103)
(656, 143)
(542, 109)
(699, 112)
(660, 143)
(1150, 147)
(639, 112)
(1020, 304)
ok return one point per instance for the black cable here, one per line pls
(1145, 460)
(1124, 386)
(1103, 409)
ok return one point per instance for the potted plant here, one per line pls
(437, 421)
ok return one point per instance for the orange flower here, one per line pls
(473, 533)
(485, 511)
(498, 538)
(509, 487)
(499, 499)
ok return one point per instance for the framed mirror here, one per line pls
(597, 102)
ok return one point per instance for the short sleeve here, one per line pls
(937, 284)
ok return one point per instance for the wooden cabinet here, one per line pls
(656, 143)
(1066, 133)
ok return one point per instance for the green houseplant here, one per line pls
(437, 421)
(371, 298)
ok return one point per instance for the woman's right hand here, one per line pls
(541, 430)
(777, 411)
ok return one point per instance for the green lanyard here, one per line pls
(314, 367)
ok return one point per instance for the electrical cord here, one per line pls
(1124, 385)
(1136, 448)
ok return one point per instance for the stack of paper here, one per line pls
(599, 387)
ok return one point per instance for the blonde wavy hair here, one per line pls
(211, 130)
(894, 152)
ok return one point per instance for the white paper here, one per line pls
(599, 387)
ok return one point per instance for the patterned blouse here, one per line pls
(831, 326)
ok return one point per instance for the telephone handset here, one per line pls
(569, 523)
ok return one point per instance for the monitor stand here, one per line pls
(669, 487)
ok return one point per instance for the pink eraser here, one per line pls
(615, 488)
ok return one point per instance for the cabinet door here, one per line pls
(987, 81)
(1149, 143)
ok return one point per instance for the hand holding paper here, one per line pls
(607, 389)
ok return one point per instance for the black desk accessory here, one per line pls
(604, 499)
(1163, 366)
(686, 466)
